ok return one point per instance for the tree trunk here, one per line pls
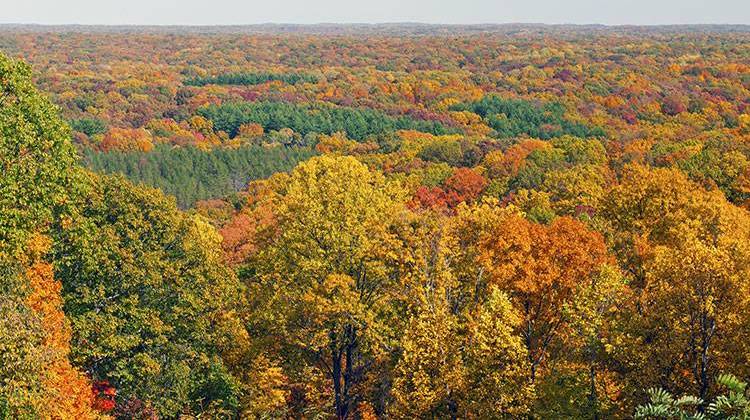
(336, 375)
(349, 379)
(709, 327)
(453, 409)
(593, 396)
(342, 369)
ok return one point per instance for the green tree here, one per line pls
(37, 166)
(36, 158)
(150, 299)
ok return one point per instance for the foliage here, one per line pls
(191, 174)
(327, 274)
(35, 160)
(515, 117)
(149, 299)
(36, 377)
(540, 267)
(89, 126)
(251, 79)
(527, 222)
(358, 124)
(733, 404)
(685, 250)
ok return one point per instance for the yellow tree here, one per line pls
(687, 253)
(496, 362)
(430, 377)
(700, 292)
(586, 384)
(460, 355)
(329, 271)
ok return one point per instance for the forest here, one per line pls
(386, 222)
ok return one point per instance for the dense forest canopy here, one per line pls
(191, 174)
(250, 79)
(359, 222)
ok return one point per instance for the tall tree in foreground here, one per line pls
(36, 162)
(471, 365)
(430, 377)
(460, 355)
(328, 273)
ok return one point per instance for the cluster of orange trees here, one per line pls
(498, 224)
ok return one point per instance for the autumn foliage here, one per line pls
(507, 222)
(69, 391)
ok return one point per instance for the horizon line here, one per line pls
(384, 23)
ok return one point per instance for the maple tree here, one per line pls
(541, 267)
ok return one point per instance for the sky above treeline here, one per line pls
(237, 12)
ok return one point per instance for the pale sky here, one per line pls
(233, 12)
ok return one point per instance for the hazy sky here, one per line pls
(216, 12)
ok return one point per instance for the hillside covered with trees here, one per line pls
(496, 222)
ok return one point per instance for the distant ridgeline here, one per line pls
(247, 79)
(191, 174)
(517, 117)
(357, 123)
